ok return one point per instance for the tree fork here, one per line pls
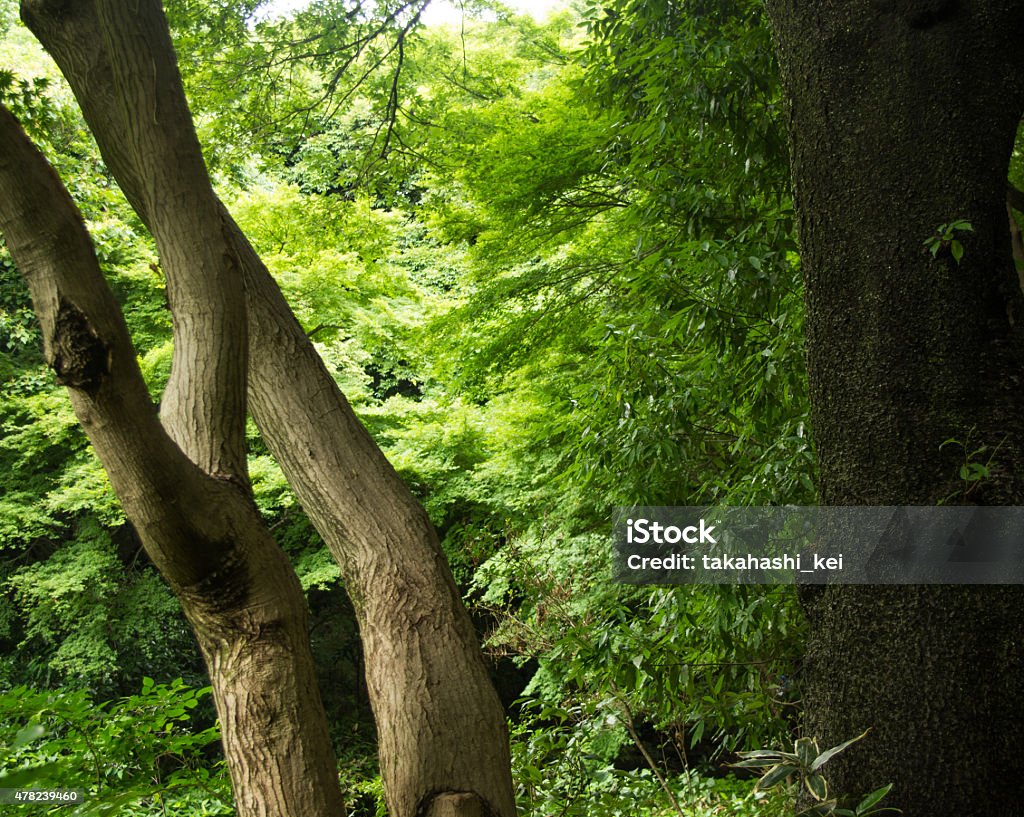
(440, 724)
(236, 586)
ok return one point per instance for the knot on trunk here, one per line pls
(78, 355)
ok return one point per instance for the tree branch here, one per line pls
(203, 406)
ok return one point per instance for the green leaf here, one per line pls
(769, 759)
(776, 775)
(873, 799)
(806, 751)
(27, 734)
(23, 778)
(817, 786)
(828, 754)
(957, 249)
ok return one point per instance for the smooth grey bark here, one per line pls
(902, 118)
(201, 529)
(441, 727)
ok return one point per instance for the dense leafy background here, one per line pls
(552, 266)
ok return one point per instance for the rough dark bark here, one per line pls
(440, 724)
(201, 530)
(902, 117)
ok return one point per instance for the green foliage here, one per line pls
(973, 466)
(698, 132)
(565, 767)
(46, 464)
(78, 606)
(19, 330)
(706, 667)
(659, 335)
(350, 273)
(638, 318)
(141, 754)
(8, 14)
(804, 766)
(82, 618)
(553, 270)
(363, 792)
(598, 352)
(945, 239)
(26, 78)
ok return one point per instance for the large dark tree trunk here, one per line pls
(442, 732)
(902, 118)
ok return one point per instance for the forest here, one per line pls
(333, 335)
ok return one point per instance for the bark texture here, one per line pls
(203, 406)
(440, 725)
(201, 530)
(902, 118)
(456, 804)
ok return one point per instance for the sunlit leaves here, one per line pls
(144, 753)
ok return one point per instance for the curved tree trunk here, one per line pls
(440, 725)
(201, 530)
(902, 117)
